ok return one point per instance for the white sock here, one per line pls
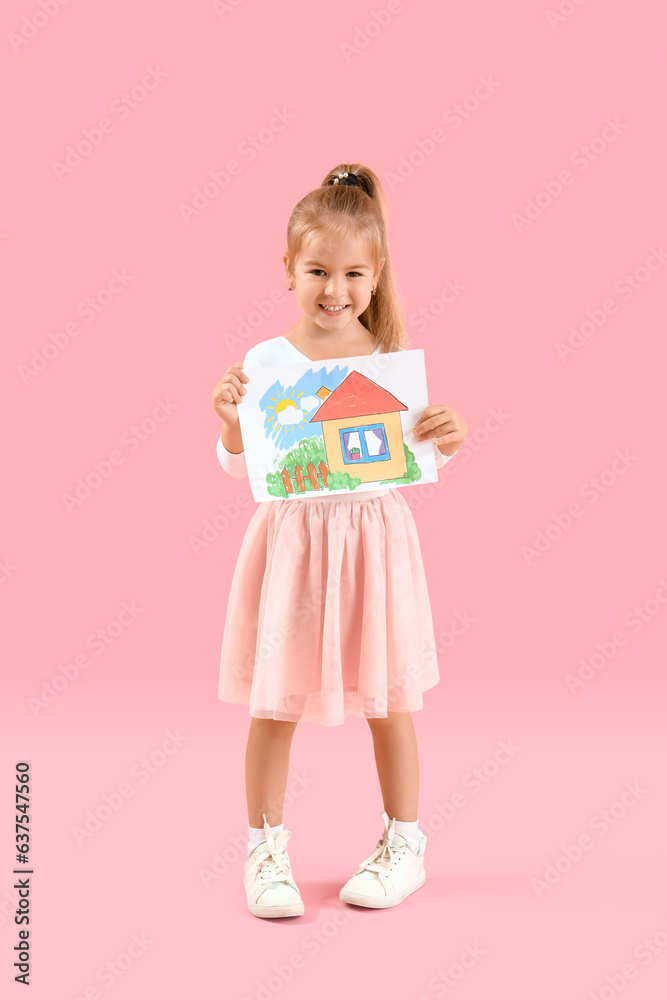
(256, 835)
(411, 833)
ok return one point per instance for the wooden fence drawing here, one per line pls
(312, 474)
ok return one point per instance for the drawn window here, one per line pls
(364, 444)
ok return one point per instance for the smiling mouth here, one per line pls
(332, 310)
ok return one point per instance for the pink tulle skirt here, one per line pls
(328, 613)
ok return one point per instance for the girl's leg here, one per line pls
(266, 769)
(397, 761)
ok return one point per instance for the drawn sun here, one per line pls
(286, 419)
(284, 404)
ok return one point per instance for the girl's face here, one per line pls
(334, 277)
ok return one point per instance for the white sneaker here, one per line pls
(270, 888)
(389, 875)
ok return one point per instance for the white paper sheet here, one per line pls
(338, 426)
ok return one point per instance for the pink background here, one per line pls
(168, 335)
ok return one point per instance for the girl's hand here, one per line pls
(444, 425)
(228, 392)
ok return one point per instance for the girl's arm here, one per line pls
(440, 459)
(233, 462)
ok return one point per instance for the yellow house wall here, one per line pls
(367, 472)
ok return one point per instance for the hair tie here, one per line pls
(350, 179)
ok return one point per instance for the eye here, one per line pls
(320, 271)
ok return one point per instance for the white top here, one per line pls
(280, 351)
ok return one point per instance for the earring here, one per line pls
(373, 290)
(290, 289)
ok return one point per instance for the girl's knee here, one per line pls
(391, 718)
(273, 727)
(388, 718)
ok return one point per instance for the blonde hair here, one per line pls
(336, 211)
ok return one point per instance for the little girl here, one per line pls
(328, 612)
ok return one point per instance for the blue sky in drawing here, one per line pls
(287, 409)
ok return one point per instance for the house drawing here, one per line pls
(361, 428)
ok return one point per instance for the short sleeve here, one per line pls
(235, 464)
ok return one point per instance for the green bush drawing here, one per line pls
(412, 473)
(343, 481)
(312, 450)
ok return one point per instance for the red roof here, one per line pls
(356, 396)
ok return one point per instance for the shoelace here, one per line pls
(273, 861)
(382, 858)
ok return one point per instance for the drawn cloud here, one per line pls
(289, 415)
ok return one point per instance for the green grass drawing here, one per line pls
(312, 450)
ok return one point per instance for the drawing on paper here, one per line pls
(336, 426)
(344, 436)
